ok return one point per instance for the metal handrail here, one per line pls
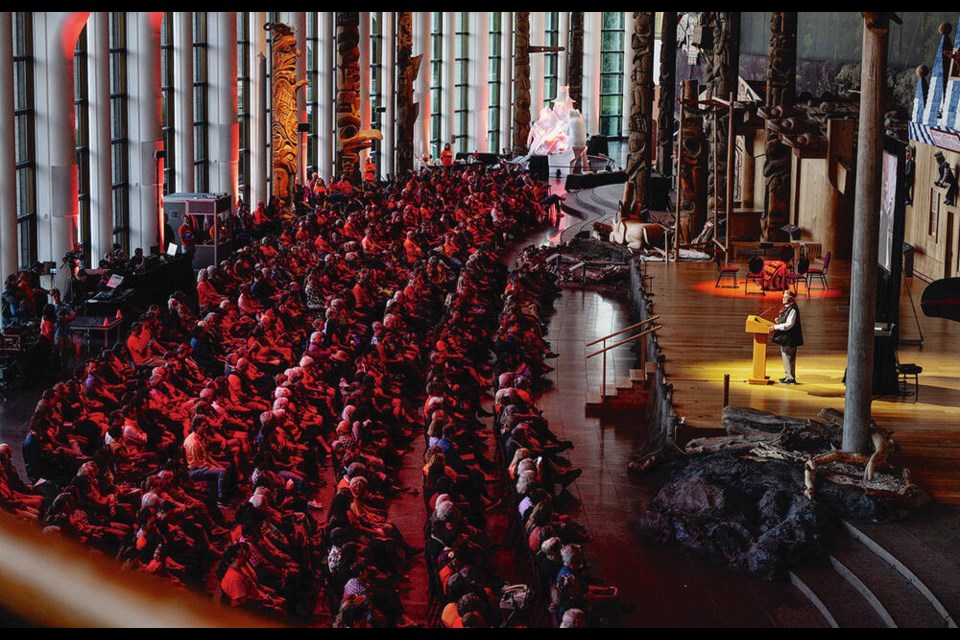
(624, 330)
(623, 342)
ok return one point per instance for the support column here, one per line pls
(781, 92)
(388, 118)
(480, 66)
(506, 87)
(521, 82)
(423, 86)
(101, 182)
(9, 249)
(668, 93)
(143, 132)
(537, 33)
(448, 69)
(863, 269)
(364, 64)
(225, 132)
(183, 94)
(575, 59)
(326, 106)
(407, 110)
(640, 122)
(55, 37)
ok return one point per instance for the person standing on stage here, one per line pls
(788, 333)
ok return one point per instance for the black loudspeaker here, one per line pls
(908, 251)
(540, 167)
(659, 192)
(597, 146)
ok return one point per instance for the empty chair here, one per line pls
(906, 370)
(725, 271)
(819, 272)
(754, 274)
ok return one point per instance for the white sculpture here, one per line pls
(550, 134)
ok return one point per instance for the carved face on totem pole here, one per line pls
(284, 109)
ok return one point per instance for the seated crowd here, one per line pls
(201, 447)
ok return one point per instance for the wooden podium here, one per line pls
(759, 327)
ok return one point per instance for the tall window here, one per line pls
(611, 74)
(24, 130)
(461, 106)
(436, 81)
(551, 59)
(200, 86)
(81, 111)
(376, 80)
(313, 84)
(168, 102)
(118, 128)
(243, 102)
(494, 84)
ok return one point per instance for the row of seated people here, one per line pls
(195, 448)
(537, 465)
(457, 473)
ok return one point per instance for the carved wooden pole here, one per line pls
(408, 67)
(721, 83)
(668, 92)
(284, 143)
(351, 139)
(521, 82)
(692, 177)
(863, 270)
(575, 59)
(781, 91)
(636, 196)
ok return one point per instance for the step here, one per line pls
(837, 600)
(891, 594)
(625, 383)
(638, 375)
(914, 549)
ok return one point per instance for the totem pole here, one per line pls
(521, 82)
(351, 139)
(781, 91)
(668, 92)
(693, 165)
(575, 59)
(408, 67)
(284, 139)
(637, 187)
(721, 82)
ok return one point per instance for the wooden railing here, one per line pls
(606, 347)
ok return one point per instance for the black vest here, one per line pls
(794, 335)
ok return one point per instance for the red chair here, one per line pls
(819, 272)
(795, 276)
(725, 271)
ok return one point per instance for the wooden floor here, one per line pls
(704, 338)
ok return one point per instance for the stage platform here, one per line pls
(703, 338)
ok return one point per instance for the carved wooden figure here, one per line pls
(575, 59)
(668, 92)
(693, 166)
(641, 115)
(283, 128)
(521, 82)
(781, 90)
(408, 68)
(351, 139)
(721, 82)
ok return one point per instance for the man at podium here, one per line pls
(788, 333)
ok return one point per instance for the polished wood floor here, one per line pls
(704, 338)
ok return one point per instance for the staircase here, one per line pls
(889, 575)
(629, 393)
